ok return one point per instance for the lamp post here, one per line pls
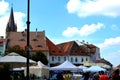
(28, 25)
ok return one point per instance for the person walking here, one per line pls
(86, 76)
(96, 76)
(60, 76)
(103, 76)
(115, 75)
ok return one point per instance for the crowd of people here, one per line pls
(101, 75)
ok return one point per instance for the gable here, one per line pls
(53, 49)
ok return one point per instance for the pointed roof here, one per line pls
(71, 48)
(53, 49)
(66, 46)
(11, 26)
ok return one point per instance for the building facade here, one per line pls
(2, 45)
(55, 53)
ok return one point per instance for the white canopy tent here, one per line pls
(95, 69)
(65, 66)
(15, 60)
(83, 68)
(40, 70)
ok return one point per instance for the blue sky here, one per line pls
(95, 21)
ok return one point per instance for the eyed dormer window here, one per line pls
(22, 40)
(39, 45)
(35, 39)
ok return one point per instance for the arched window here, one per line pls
(52, 58)
(71, 59)
(64, 58)
(86, 59)
(58, 58)
(82, 60)
(76, 60)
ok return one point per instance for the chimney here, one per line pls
(36, 32)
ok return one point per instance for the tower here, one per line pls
(11, 26)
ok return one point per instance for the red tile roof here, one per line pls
(37, 40)
(53, 49)
(65, 47)
(72, 48)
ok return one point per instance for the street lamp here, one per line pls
(28, 25)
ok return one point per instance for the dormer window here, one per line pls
(35, 40)
(39, 45)
(22, 40)
(53, 50)
(23, 34)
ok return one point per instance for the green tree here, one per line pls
(16, 49)
(39, 56)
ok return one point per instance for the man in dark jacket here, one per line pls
(116, 75)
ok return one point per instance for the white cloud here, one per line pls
(85, 8)
(3, 7)
(70, 31)
(4, 17)
(90, 29)
(84, 31)
(111, 42)
(114, 58)
(19, 20)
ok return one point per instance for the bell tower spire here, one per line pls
(11, 26)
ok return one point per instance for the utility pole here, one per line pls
(28, 25)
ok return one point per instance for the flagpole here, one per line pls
(28, 25)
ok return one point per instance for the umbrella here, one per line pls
(15, 60)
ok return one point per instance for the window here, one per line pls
(76, 60)
(52, 58)
(64, 58)
(53, 51)
(58, 58)
(0, 53)
(86, 59)
(82, 60)
(22, 40)
(35, 40)
(71, 59)
(39, 45)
